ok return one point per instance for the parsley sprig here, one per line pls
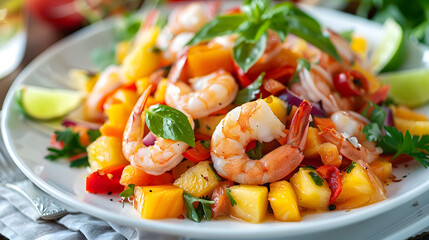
(203, 209)
(72, 147)
(392, 141)
(252, 29)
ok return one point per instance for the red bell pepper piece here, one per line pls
(251, 145)
(324, 122)
(380, 95)
(332, 175)
(243, 79)
(198, 153)
(281, 74)
(202, 137)
(105, 180)
(350, 83)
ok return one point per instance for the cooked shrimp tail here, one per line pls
(299, 126)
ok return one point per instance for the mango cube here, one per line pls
(252, 202)
(199, 180)
(278, 107)
(284, 202)
(105, 152)
(158, 202)
(382, 169)
(356, 184)
(310, 195)
(313, 143)
(207, 125)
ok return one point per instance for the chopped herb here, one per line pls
(93, 134)
(155, 50)
(248, 94)
(309, 167)
(206, 144)
(127, 28)
(316, 178)
(389, 101)
(231, 199)
(377, 115)
(256, 152)
(302, 63)
(80, 162)
(197, 123)
(350, 168)
(216, 174)
(204, 207)
(72, 145)
(332, 207)
(208, 127)
(127, 193)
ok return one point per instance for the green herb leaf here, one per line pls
(231, 199)
(347, 35)
(127, 193)
(205, 143)
(72, 145)
(197, 123)
(254, 9)
(127, 28)
(170, 123)
(246, 53)
(220, 26)
(316, 178)
(372, 132)
(93, 134)
(302, 63)
(196, 214)
(350, 168)
(256, 152)
(378, 115)
(81, 162)
(248, 94)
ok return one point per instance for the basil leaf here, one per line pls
(256, 152)
(93, 134)
(378, 114)
(220, 26)
(248, 94)
(316, 178)
(231, 199)
(247, 53)
(254, 9)
(170, 123)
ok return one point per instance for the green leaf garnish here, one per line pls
(302, 63)
(350, 168)
(377, 114)
(81, 162)
(93, 134)
(127, 193)
(316, 178)
(170, 123)
(204, 206)
(347, 35)
(248, 94)
(231, 199)
(256, 152)
(205, 143)
(216, 174)
(103, 57)
(372, 132)
(252, 27)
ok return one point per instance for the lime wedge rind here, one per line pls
(408, 87)
(46, 103)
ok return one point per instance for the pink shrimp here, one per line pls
(255, 121)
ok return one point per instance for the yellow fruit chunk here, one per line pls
(284, 202)
(207, 125)
(359, 45)
(252, 202)
(105, 152)
(199, 180)
(329, 154)
(118, 115)
(136, 176)
(382, 169)
(142, 84)
(278, 107)
(310, 195)
(122, 50)
(159, 96)
(408, 114)
(356, 184)
(182, 168)
(414, 127)
(143, 59)
(313, 143)
(83, 80)
(158, 202)
(124, 96)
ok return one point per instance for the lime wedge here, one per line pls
(389, 54)
(409, 87)
(46, 103)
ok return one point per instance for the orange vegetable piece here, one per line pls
(203, 60)
(133, 175)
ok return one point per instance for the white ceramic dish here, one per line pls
(27, 140)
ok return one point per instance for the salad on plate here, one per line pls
(254, 112)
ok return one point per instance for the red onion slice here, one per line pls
(388, 121)
(67, 122)
(149, 139)
(292, 99)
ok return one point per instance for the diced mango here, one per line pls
(121, 51)
(118, 115)
(105, 152)
(313, 143)
(252, 202)
(359, 45)
(199, 180)
(158, 202)
(310, 195)
(329, 154)
(408, 114)
(125, 96)
(353, 202)
(182, 168)
(356, 184)
(382, 169)
(203, 60)
(136, 176)
(159, 96)
(207, 125)
(142, 60)
(284, 202)
(83, 80)
(142, 84)
(278, 106)
(414, 127)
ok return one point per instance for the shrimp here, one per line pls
(110, 80)
(349, 147)
(206, 95)
(163, 156)
(255, 121)
(350, 123)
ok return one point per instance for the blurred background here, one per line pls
(28, 27)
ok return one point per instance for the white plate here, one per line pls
(27, 140)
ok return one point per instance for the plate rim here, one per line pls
(174, 228)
